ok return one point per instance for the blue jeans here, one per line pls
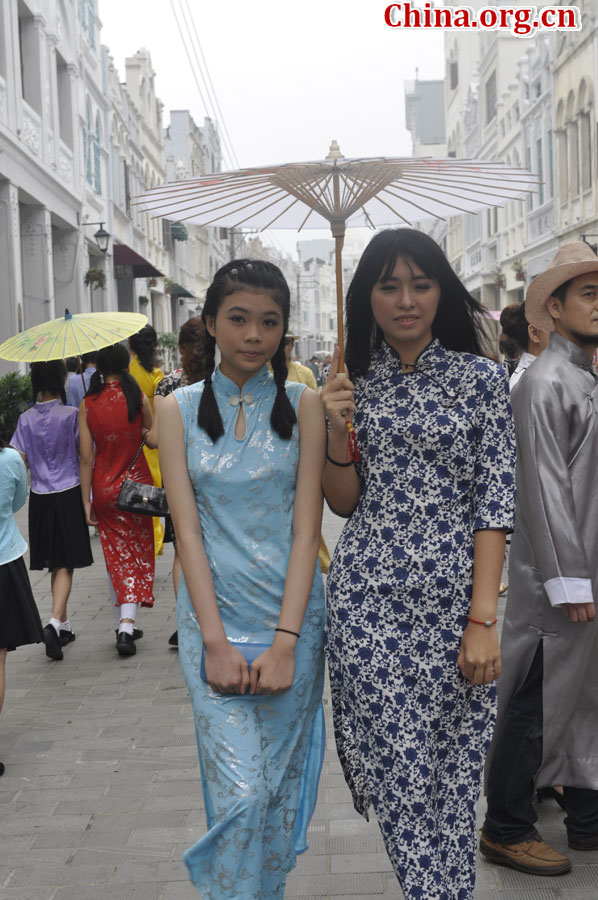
(511, 816)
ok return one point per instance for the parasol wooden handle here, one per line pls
(340, 314)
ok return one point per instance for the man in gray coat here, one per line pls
(547, 728)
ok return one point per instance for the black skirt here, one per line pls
(58, 532)
(19, 619)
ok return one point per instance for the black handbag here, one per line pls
(139, 498)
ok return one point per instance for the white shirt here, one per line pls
(525, 360)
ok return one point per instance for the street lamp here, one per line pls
(102, 237)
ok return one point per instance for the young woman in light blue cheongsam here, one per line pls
(242, 455)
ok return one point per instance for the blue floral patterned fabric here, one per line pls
(437, 464)
(260, 756)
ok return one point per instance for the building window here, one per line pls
(573, 142)
(586, 151)
(490, 91)
(97, 159)
(540, 164)
(454, 74)
(29, 59)
(91, 23)
(87, 147)
(528, 160)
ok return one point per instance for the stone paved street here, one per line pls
(102, 794)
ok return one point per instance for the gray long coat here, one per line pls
(555, 406)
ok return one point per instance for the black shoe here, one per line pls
(52, 642)
(585, 842)
(66, 637)
(137, 633)
(173, 640)
(125, 644)
(1, 768)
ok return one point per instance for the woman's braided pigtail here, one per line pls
(208, 416)
(283, 416)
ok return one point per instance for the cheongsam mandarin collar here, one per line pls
(428, 359)
(570, 351)
(228, 391)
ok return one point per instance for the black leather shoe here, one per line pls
(137, 633)
(125, 644)
(66, 637)
(52, 642)
(585, 842)
(173, 640)
(1, 768)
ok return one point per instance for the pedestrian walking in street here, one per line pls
(144, 349)
(77, 387)
(412, 591)
(547, 730)
(242, 457)
(192, 370)
(47, 436)
(513, 337)
(19, 619)
(114, 416)
(532, 339)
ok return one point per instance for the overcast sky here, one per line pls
(289, 76)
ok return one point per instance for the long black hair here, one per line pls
(48, 377)
(114, 360)
(145, 344)
(456, 324)
(243, 275)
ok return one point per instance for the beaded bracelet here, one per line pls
(287, 631)
(339, 464)
(488, 623)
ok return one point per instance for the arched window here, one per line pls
(585, 135)
(97, 159)
(572, 145)
(562, 153)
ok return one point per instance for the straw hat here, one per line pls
(571, 260)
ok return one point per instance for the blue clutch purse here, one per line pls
(249, 651)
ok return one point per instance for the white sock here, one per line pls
(127, 611)
(56, 623)
(65, 626)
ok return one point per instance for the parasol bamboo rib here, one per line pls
(417, 194)
(276, 193)
(192, 203)
(466, 184)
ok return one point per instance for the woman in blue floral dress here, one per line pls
(242, 456)
(413, 586)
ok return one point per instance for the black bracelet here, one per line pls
(339, 464)
(286, 631)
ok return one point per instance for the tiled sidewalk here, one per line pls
(102, 794)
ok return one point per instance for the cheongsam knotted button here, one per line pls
(241, 398)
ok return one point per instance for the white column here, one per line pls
(37, 265)
(11, 287)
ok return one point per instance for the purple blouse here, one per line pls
(48, 434)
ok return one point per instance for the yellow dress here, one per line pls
(304, 375)
(148, 382)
